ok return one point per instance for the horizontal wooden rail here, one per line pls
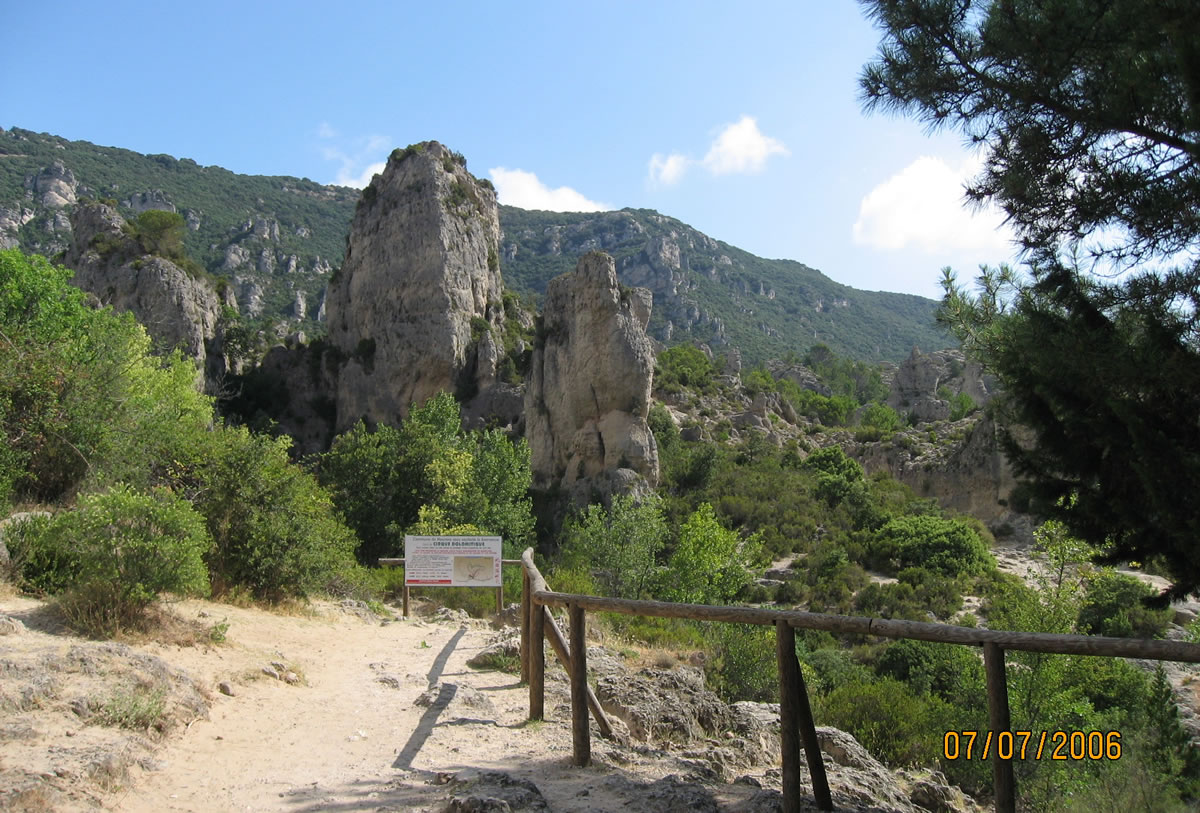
(799, 723)
(886, 628)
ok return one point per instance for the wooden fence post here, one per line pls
(560, 647)
(525, 610)
(537, 661)
(1003, 784)
(581, 739)
(796, 724)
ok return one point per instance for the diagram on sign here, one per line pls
(473, 568)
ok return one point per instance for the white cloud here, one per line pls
(516, 187)
(668, 169)
(742, 148)
(739, 148)
(923, 206)
(359, 159)
(347, 178)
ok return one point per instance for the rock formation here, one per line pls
(589, 383)
(177, 309)
(54, 187)
(923, 379)
(418, 298)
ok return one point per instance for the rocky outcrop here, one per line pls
(177, 309)
(589, 383)
(960, 464)
(924, 380)
(146, 201)
(54, 187)
(672, 709)
(11, 221)
(416, 306)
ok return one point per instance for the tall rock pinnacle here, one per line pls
(418, 299)
(589, 383)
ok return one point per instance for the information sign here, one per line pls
(452, 561)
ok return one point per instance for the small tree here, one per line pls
(112, 555)
(710, 563)
(618, 547)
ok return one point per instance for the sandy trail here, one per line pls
(347, 735)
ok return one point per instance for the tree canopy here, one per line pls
(1088, 113)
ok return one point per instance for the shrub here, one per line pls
(710, 562)
(683, 366)
(744, 663)
(882, 418)
(952, 672)
(274, 528)
(114, 553)
(947, 546)
(831, 667)
(666, 433)
(888, 720)
(617, 547)
(1113, 605)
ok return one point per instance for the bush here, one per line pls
(1113, 605)
(114, 553)
(947, 546)
(617, 547)
(744, 665)
(274, 528)
(683, 366)
(950, 671)
(710, 562)
(832, 667)
(882, 418)
(888, 720)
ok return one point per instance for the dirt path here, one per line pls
(351, 731)
(342, 737)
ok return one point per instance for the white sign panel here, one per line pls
(452, 561)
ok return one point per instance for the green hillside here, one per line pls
(279, 238)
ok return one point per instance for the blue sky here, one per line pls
(741, 120)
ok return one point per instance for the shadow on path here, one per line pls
(429, 719)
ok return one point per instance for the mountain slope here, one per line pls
(278, 239)
(710, 291)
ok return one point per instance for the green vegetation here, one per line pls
(139, 709)
(112, 555)
(861, 324)
(1086, 116)
(684, 366)
(428, 471)
(165, 499)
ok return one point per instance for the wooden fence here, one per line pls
(795, 715)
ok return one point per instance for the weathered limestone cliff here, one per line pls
(589, 383)
(958, 463)
(177, 309)
(418, 298)
(923, 380)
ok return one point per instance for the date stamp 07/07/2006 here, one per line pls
(1059, 745)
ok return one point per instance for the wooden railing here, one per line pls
(795, 714)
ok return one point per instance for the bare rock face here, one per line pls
(53, 187)
(418, 297)
(923, 379)
(966, 471)
(145, 201)
(176, 309)
(589, 381)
